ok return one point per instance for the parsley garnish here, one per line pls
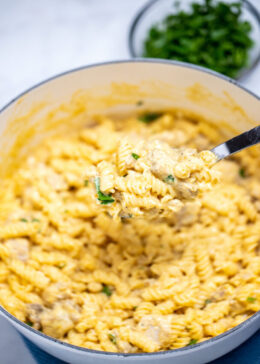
(106, 290)
(207, 301)
(169, 179)
(251, 299)
(23, 220)
(135, 156)
(135, 307)
(112, 338)
(35, 220)
(102, 197)
(210, 33)
(86, 183)
(61, 265)
(149, 117)
(192, 342)
(139, 103)
(242, 172)
(29, 323)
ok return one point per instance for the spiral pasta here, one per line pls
(122, 237)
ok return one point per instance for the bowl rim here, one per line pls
(191, 348)
(150, 3)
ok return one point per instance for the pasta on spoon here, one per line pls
(149, 177)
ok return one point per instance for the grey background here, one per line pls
(39, 38)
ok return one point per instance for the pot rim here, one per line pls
(191, 348)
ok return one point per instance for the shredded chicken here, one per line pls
(19, 248)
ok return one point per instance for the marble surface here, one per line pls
(41, 38)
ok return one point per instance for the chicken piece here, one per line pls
(34, 311)
(58, 321)
(55, 292)
(186, 190)
(19, 248)
(162, 163)
(189, 213)
(156, 328)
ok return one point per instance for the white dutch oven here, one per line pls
(159, 83)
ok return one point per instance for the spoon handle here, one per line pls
(234, 145)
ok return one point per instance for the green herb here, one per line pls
(29, 323)
(24, 220)
(106, 290)
(169, 179)
(139, 103)
(211, 33)
(61, 265)
(112, 338)
(149, 117)
(102, 197)
(35, 220)
(207, 301)
(135, 307)
(242, 173)
(192, 342)
(86, 183)
(251, 299)
(135, 156)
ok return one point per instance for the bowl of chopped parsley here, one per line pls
(223, 35)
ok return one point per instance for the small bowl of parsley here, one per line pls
(223, 35)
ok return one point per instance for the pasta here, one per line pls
(124, 238)
(155, 179)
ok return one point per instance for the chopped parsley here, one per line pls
(149, 117)
(61, 265)
(192, 342)
(212, 34)
(35, 220)
(251, 299)
(135, 307)
(135, 156)
(242, 172)
(207, 301)
(112, 338)
(169, 179)
(86, 183)
(23, 220)
(106, 290)
(102, 197)
(139, 103)
(29, 323)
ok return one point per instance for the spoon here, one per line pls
(238, 143)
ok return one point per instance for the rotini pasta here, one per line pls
(104, 245)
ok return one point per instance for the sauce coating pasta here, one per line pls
(71, 270)
(154, 180)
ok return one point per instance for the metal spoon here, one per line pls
(236, 144)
